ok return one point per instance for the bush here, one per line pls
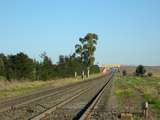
(149, 74)
(124, 72)
(140, 70)
(94, 69)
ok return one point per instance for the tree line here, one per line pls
(21, 67)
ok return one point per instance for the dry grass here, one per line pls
(16, 88)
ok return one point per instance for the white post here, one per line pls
(83, 74)
(75, 75)
(88, 72)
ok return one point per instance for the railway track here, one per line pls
(53, 108)
(85, 110)
(50, 100)
(18, 101)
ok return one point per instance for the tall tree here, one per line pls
(87, 48)
(91, 39)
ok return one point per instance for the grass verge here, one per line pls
(131, 91)
(16, 88)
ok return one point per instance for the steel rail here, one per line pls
(53, 108)
(89, 107)
(23, 100)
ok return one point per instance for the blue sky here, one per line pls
(128, 30)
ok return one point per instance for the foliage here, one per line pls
(124, 72)
(2, 65)
(86, 49)
(22, 67)
(140, 70)
(152, 100)
(149, 74)
(18, 66)
(47, 68)
(94, 69)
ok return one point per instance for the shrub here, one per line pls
(140, 70)
(149, 74)
(124, 72)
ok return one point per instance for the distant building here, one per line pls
(109, 66)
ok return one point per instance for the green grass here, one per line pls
(134, 88)
(124, 93)
(121, 90)
(153, 101)
(2, 78)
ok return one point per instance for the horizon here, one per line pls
(129, 32)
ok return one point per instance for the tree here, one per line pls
(140, 70)
(24, 66)
(47, 69)
(86, 48)
(94, 69)
(90, 46)
(62, 59)
(20, 66)
(3, 61)
(11, 67)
